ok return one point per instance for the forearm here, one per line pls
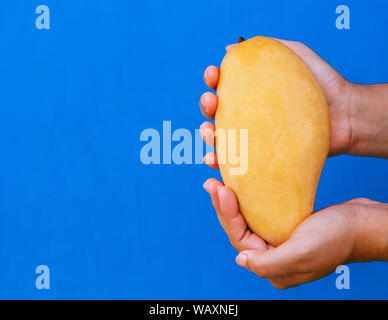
(368, 117)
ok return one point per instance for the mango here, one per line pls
(266, 88)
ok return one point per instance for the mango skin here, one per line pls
(266, 88)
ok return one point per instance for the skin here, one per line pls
(354, 231)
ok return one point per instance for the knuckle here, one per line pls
(361, 200)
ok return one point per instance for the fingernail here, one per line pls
(202, 104)
(210, 158)
(205, 76)
(206, 132)
(227, 48)
(219, 189)
(241, 260)
(207, 159)
(201, 130)
(205, 185)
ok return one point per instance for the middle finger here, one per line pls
(208, 104)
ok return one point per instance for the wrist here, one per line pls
(367, 119)
(371, 230)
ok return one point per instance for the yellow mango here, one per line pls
(266, 88)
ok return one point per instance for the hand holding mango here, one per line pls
(266, 86)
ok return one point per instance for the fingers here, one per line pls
(226, 206)
(234, 224)
(208, 104)
(211, 160)
(230, 217)
(299, 48)
(210, 77)
(211, 186)
(208, 101)
(208, 133)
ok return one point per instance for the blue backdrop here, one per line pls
(74, 99)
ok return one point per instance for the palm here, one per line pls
(334, 87)
(320, 243)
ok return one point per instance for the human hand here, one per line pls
(349, 232)
(334, 86)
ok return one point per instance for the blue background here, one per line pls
(73, 102)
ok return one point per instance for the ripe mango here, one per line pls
(266, 88)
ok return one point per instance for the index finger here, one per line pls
(235, 226)
(211, 76)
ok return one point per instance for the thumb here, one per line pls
(274, 262)
(248, 259)
(230, 46)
